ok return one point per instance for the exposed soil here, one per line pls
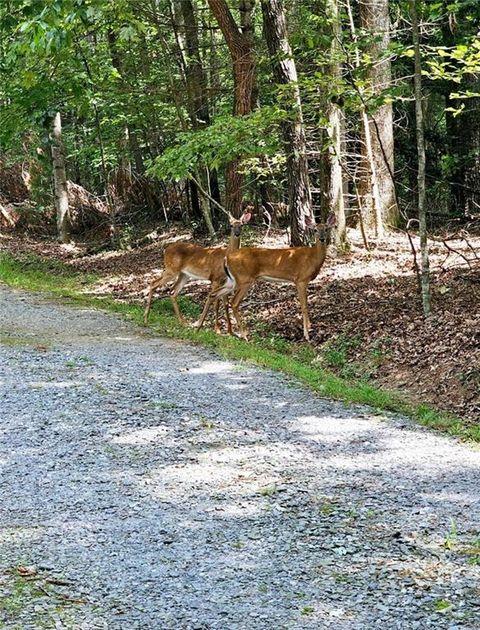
(365, 310)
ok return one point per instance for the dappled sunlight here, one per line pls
(54, 384)
(212, 367)
(330, 428)
(140, 436)
(225, 469)
(210, 478)
(235, 386)
(17, 534)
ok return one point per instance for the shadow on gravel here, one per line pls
(234, 500)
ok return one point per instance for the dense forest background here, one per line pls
(169, 109)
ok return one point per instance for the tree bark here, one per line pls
(243, 61)
(466, 150)
(299, 195)
(60, 181)
(197, 87)
(368, 184)
(335, 181)
(375, 19)
(425, 266)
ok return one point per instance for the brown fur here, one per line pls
(185, 261)
(299, 265)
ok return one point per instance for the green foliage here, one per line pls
(228, 138)
(116, 70)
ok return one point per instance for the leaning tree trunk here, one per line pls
(375, 19)
(241, 52)
(299, 195)
(425, 273)
(60, 181)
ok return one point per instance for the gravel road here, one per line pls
(148, 484)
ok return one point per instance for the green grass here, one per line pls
(265, 350)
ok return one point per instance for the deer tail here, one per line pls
(229, 285)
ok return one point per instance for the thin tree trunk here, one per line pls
(425, 266)
(371, 180)
(337, 136)
(60, 181)
(375, 19)
(196, 82)
(299, 195)
(241, 52)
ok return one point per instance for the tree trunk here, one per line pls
(60, 181)
(466, 179)
(463, 130)
(425, 271)
(197, 87)
(241, 52)
(368, 184)
(335, 183)
(375, 20)
(299, 195)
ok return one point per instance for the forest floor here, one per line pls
(147, 483)
(366, 314)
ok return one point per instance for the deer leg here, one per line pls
(177, 287)
(226, 306)
(164, 279)
(302, 297)
(217, 309)
(199, 323)
(237, 299)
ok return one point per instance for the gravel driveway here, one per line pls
(147, 484)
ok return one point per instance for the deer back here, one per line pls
(292, 264)
(196, 261)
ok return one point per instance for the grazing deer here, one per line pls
(299, 265)
(185, 261)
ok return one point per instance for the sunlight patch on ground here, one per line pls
(226, 470)
(192, 474)
(237, 510)
(54, 384)
(140, 436)
(325, 428)
(158, 374)
(20, 533)
(235, 386)
(212, 367)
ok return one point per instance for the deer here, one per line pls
(298, 265)
(186, 261)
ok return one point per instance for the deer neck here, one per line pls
(320, 248)
(233, 242)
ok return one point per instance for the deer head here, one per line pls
(321, 229)
(237, 224)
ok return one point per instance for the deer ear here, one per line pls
(309, 221)
(246, 216)
(331, 220)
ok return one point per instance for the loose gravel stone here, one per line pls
(148, 484)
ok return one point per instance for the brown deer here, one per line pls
(299, 265)
(186, 261)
